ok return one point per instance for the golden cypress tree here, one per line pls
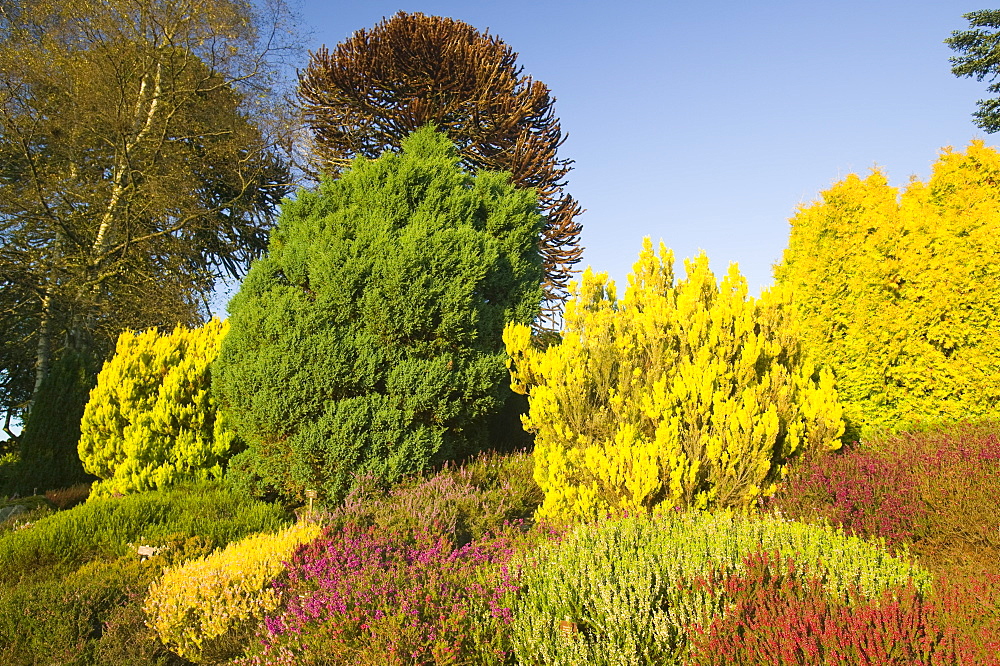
(410, 70)
(896, 292)
(151, 419)
(686, 393)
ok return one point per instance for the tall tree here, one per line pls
(138, 162)
(979, 49)
(379, 85)
(896, 292)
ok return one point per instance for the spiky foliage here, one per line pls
(687, 393)
(379, 85)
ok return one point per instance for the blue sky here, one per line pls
(705, 124)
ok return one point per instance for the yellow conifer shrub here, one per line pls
(200, 603)
(151, 420)
(683, 394)
(896, 291)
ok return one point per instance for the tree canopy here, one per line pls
(979, 57)
(137, 164)
(376, 87)
(896, 292)
(369, 340)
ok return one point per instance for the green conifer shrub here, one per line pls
(896, 292)
(151, 420)
(48, 446)
(369, 340)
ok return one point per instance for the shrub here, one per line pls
(627, 588)
(464, 502)
(368, 340)
(895, 292)
(90, 616)
(48, 444)
(689, 394)
(113, 527)
(151, 419)
(867, 494)
(777, 615)
(371, 597)
(970, 606)
(206, 609)
(67, 498)
(937, 491)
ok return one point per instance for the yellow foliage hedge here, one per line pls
(151, 419)
(690, 394)
(897, 292)
(195, 606)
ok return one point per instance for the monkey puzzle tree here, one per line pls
(369, 340)
(379, 85)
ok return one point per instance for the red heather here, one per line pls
(782, 617)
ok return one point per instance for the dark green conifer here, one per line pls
(368, 340)
(48, 444)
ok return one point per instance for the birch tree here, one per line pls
(140, 159)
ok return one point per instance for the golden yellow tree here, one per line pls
(686, 393)
(896, 292)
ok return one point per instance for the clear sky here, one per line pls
(705, 124)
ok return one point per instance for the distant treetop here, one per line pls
(368, 93)
(979, 49)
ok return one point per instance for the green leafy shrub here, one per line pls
(368, 340)
(207, 609)
(689, 394)
(151, 419)
(627, 591)
(48, 444)
(113, 527)
(92, 616)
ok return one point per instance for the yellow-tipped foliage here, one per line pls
(196, 605)
(151, 419)
(897, 292)
(689, 394)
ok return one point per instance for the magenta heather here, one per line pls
(363, 590)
